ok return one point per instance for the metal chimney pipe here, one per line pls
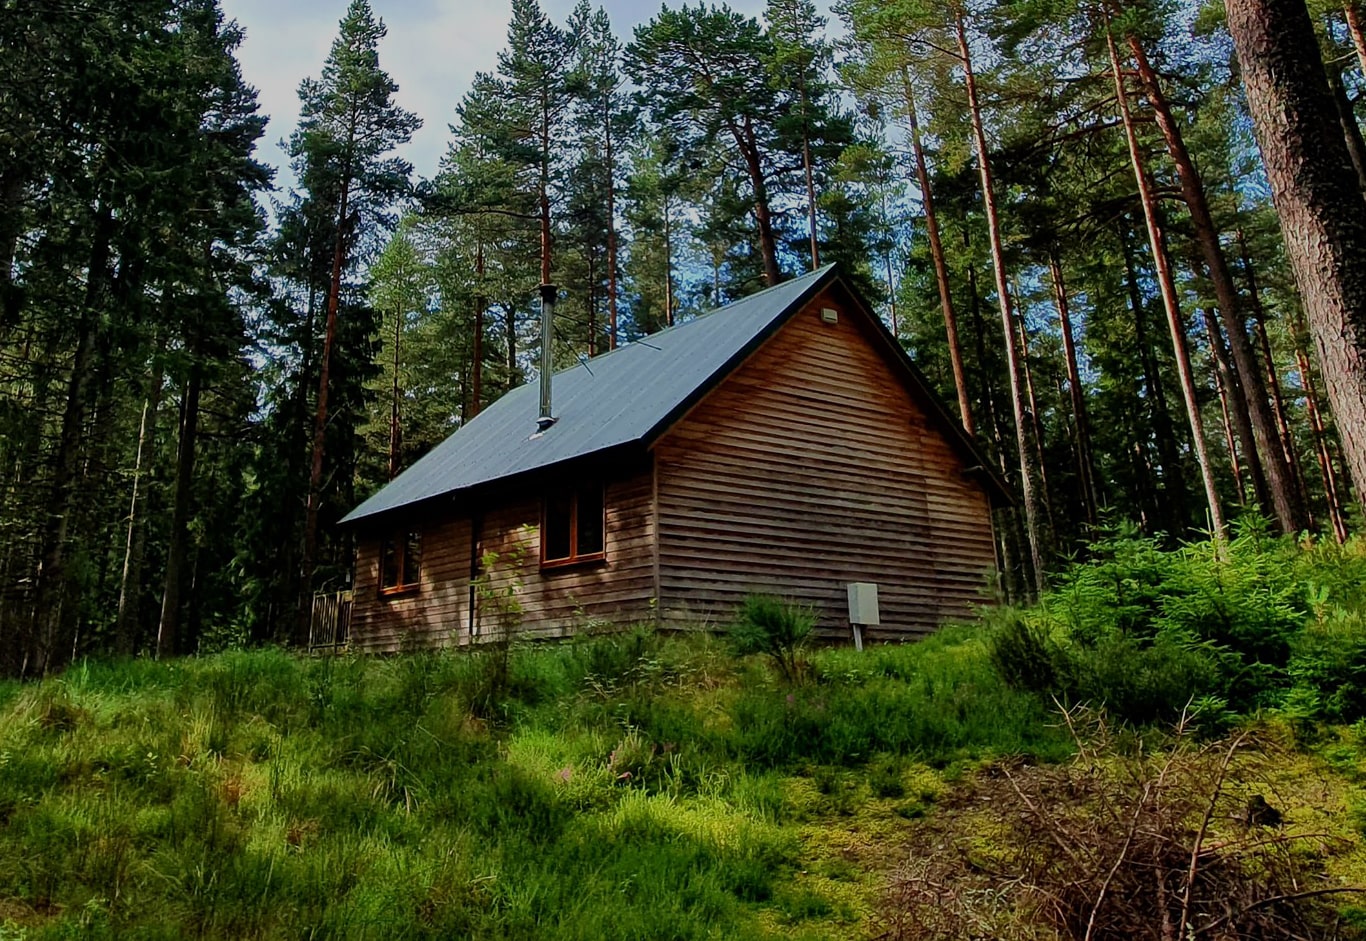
(548, 292)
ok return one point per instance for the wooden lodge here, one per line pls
(784, 444)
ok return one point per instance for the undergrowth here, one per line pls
(624, 786)
(1260, 623)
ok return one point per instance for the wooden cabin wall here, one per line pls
(811, 467)
(432, 616)
(552, 602)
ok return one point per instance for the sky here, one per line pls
(433, 49)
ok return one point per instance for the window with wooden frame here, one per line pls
(573, 527)
(400, 563)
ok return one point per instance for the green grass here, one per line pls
(625, 786)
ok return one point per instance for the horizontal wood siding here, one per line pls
(809, 468)
(433, 616)
(552, 603)
(557, 601)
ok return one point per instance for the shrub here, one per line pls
(775, 627)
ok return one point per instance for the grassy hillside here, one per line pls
(615, 787)
(632, 786)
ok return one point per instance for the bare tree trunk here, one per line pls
(477, 353)
(1169, 300)
(1035, 419)
(1273, 382)
(1316, 195)
(1174, 507)
(50, 582)
(315, 474)
(611, 234)
(1236, 398)
(1264, 447)
(169, 627)
(1086, 470)
(1351, 131)
(941, 267)
(668, 265)
(395, 430)
(1028, 488)
(810, 185)
(1353, 17)
(130, 581)
(1325, 457)
(763, 216)
(1222, 382)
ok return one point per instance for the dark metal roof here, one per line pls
(628, 395)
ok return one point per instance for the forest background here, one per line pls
(1061, 209)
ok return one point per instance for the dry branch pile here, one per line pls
(1185, 844)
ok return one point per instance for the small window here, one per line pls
(400, 563)
(572, 527)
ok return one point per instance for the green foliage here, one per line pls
(775, 627)
(1149, 632)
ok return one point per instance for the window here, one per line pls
(572, 528)
(400, 561)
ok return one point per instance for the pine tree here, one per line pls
(348, 127)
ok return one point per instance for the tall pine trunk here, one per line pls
(395, 429)
(611, 232)
(1174, 508)
(130, 580)
(1028, 470)
(169, 629)
(1169, 299)
(315, 474)
(1086, 468)
(1316, 195)
(50, 591)
(1264, 444)
(941, 267)
(1224, 381)
(477, 352)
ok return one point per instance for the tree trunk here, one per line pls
(611, 235)
(1353, 17)
(668, 265)
(810, 184)
(1351, 130)
(1028, 472)
(763, 216)
(1086, 469)
(477, 353)
(1273, 382)
(1316, 195)
(50, 587)
(315, 475)
(1169, 300)
(1325, 457)
(1223, 381)
(1279, 482)
(941, 267)
(1035, 418)
(1237, 402)
(395, 430)
(169, 628)
(1174, 508)
(130, 581)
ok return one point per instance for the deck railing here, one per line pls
(329, 628)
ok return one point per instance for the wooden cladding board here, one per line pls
(810, 467)
(552, 602)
